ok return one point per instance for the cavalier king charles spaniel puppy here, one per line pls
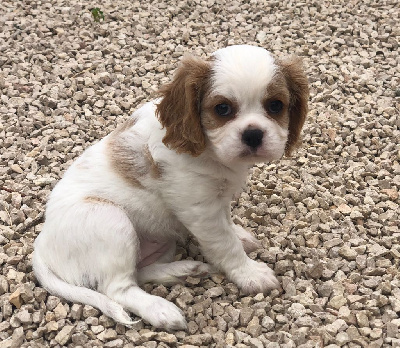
(112, 222)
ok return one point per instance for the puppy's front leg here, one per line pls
(249, 242)
(222, 248)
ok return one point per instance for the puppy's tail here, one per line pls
(52, 283)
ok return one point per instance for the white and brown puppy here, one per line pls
(113, 220)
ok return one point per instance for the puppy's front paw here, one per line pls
(255, 277)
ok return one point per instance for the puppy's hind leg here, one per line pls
(107, 255)
(173, 272)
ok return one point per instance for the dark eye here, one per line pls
(223, 110)
(274, 107)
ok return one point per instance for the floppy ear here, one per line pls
(298, 87)
(179, 109)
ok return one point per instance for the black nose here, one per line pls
(252, 137)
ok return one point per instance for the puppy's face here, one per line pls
(242, 104)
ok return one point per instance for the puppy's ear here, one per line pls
(297, 83)
(179, 109)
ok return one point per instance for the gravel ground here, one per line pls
(328, 217)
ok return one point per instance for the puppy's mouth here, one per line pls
(257, 155)
(250, 153)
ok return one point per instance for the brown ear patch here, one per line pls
(297, 84)
(179, 109)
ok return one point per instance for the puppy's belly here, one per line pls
(151, 251)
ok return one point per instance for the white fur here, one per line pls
(242, 73)
(96, 245)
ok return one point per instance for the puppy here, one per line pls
(113, 220)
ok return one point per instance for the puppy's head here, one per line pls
(242, 104)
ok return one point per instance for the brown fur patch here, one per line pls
(211, 120)
(297, 84)
(124, 159)
(131, 163)
(278, 90)
(98, 200)
(179, 109)
(154, 167)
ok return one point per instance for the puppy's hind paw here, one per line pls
(115, 311)
(200, 269)
(174, 272)
(186, 268)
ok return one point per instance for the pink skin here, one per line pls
(151, 251)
